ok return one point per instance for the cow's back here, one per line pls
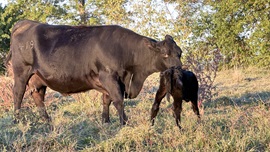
(38, 43)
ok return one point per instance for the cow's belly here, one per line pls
(67, 84)
(73, 86)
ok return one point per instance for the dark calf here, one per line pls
(181, 85)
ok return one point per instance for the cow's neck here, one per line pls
(136, 78)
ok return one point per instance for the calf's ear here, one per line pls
(151, 44)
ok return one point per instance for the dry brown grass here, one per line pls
(6, 84)
(237, 82)
(226, 124)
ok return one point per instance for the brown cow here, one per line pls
(70, 59)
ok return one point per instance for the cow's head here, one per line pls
(167, 51)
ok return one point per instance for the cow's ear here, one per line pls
(151, 44)
(163, 49)
(168, 37)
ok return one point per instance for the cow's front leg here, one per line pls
(115, 88)
(38, 96)
(106, 111)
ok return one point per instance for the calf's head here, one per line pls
(172, 79)
(167, 51)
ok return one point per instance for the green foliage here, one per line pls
(94, 12)
(240, 29)
(114, 11)
(22, 9)
(204, 62)
(74, 12)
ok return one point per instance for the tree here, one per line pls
(14, 11)
(94, 12)
(241, 30)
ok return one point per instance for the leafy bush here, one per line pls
(204, 63)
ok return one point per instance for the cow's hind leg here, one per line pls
(21, 77)
(38, 96)
(106, 111)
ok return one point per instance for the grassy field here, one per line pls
(237, 120)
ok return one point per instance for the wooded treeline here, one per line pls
(240, 29)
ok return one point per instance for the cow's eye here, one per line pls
(165, 55)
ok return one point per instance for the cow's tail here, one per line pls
(8, 58)
(14, 29)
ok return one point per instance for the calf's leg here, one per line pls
(195, 108)
(177, 108)
(155, 107)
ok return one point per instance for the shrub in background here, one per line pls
(204, 62)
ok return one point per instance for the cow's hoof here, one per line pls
(106, 121)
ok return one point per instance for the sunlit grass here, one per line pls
(237, 120)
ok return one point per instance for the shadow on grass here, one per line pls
(77, 130)
(131, 102)
(247, 99)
